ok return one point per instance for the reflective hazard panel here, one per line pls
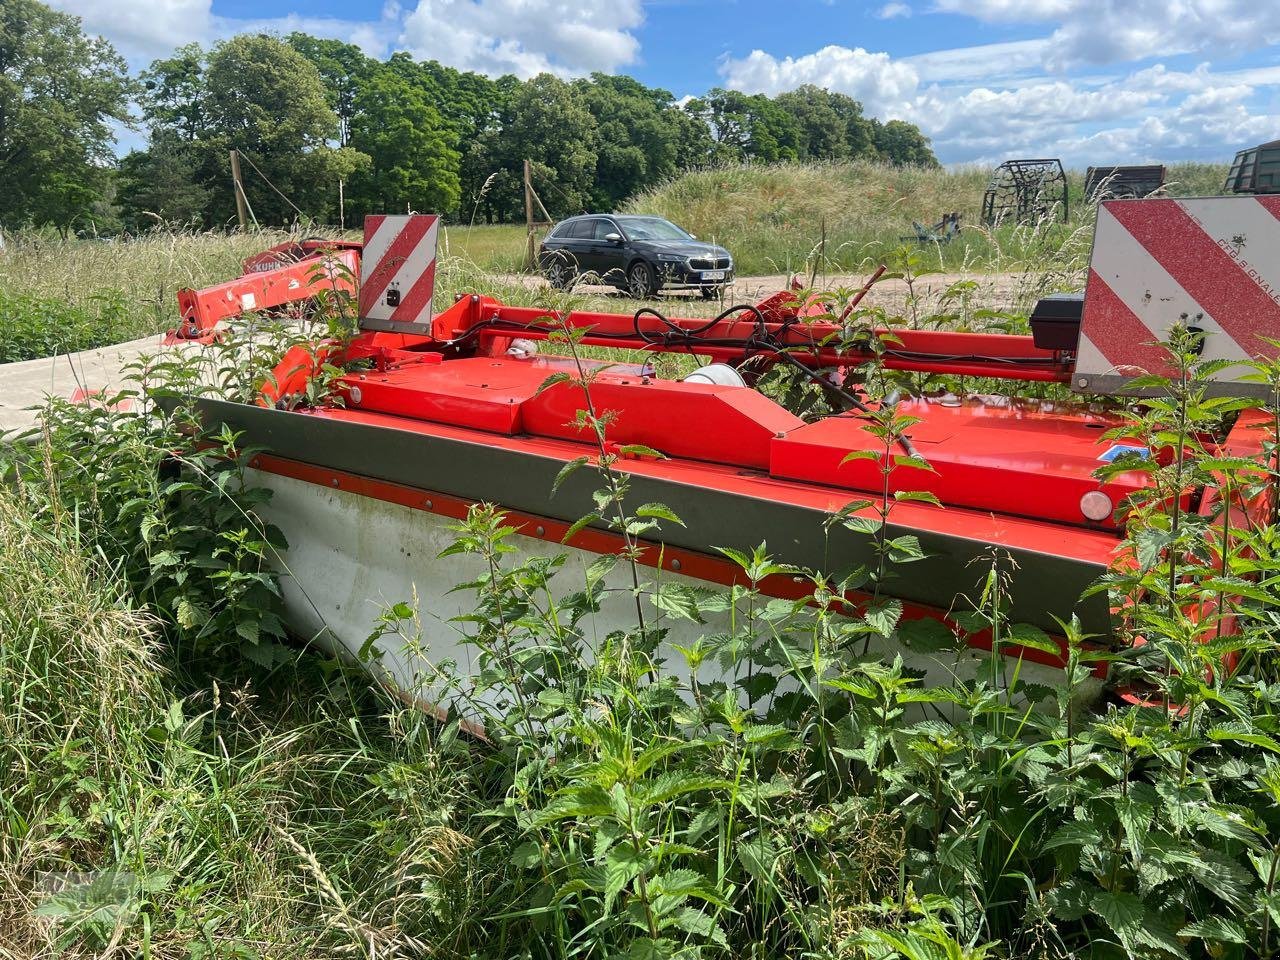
(1211, 263)
(398, 272)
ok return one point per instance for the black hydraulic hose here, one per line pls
(816, 377)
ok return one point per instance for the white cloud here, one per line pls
(144, 29)
(987, 61)
(1012, 110)
(1115, 31)
(874, 78)
(893, 10)
(525, 37)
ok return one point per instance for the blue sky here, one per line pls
(1092, 81)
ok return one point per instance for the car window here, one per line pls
(561, 230)
(651, 228)
(581, 230)
(603, 228)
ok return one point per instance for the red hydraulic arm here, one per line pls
(776, 324)
(264, 289)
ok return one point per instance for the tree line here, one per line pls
(308, 114)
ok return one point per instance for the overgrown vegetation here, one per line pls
(774, 787)
(853, 214)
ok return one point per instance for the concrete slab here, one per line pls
(27, 384)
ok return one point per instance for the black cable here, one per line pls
(816, 377)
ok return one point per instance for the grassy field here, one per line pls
(180, 780)
(58, 296)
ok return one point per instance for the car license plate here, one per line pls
(712, 274)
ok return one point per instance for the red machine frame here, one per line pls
(284, 274)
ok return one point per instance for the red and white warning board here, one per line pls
(1211, 263)
(398, 272)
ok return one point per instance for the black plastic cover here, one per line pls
(1055, 322)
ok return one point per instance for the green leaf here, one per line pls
(926, 635)
(579, 525)
(640, 450)
(758, 856)
(917, 496)
(860, 455)
(1124, 914)
(645, 948)
(677, 600)
(913, 463)
(661, 511)
(677, 784)
(622, 865)
(1032, 637)
(527, 856)
(1221, 734)
(883, 616)
(1214, 930)
(566, 471)
(694, 921)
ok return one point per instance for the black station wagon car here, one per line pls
(637, 254)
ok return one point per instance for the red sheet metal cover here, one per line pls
(1017, 457)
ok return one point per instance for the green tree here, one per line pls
(640, 134)
(547, 123)
(265, 99)
(343, 67)
(480, 154)
(395, 124)
(748, 127)
(831, 125)
(172, 96)
(902, 143)
(60, 92)
(161, 185)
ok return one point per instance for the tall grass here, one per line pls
(59, 296)
(815, 218)
(149, 808)
(773, 217)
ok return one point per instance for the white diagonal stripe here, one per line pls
(1246, 231)
(409, 271)
(376, 246)
(1146, 288)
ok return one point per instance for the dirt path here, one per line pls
(997, 291)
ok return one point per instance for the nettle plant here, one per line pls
(729, 796)
(169, 497)
(773, 786)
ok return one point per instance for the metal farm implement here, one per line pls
(445, 410)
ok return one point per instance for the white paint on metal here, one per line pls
(414, 266)
(378, 243)
(1112, 347)
(1246, 230)
(351, 558)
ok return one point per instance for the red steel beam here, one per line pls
(202, 310)
(814, 343)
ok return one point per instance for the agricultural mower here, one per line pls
(283, 276)
(441, 411)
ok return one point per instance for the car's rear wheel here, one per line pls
(558, 273)
(642, 282)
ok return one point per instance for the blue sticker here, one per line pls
(1123, 450)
